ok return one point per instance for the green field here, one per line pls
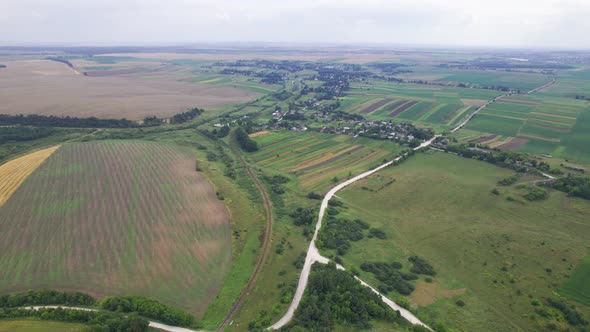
(121, 218)
(34, 325)
(514, 80)
(552, 125)
(494, 254)
(316, 158)
(577, 287)
(438, 107)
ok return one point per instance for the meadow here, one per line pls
(117, 218)
(315, 159)
(52, 88)
(33, 325)
(497, 255)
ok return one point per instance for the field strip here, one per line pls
(313, 254)
(259, 133)
(555, 115)
(15, 172)
(557, 140)
(458, 115)
(325, 159)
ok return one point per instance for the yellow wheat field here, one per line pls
(14, 172)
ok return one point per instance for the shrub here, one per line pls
(378, 233)
(313, 195)
(420, 266)
(460, 303)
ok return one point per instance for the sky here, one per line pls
(478, 23)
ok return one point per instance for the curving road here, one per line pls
(313, 254)
(157, 325)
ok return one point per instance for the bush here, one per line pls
(536, 194)
(390, 275)
(420, 266)
(313, 195)
(378, 233)
(303, 216)
(337, 233)
(460, 303)
(148, 308)
(510, 180)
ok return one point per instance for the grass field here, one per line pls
(316, 158)
(52, 88)
(494, 254)
(577, 287)
(117, 217)
(15, 172)
(33, 325)
(514, 80)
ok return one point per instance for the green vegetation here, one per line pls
(37, 325)
(245, 142)
(148, 308)
(45, 297)
(576, 186)
(334, 297)
(316, 158)
(507, 252)
(97, 321)
(577, 287)
(135, 213)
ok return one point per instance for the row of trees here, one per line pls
(64, 121)
(23, 133)
(92, 122)
(244, 141)
(46, 297)
(148, 308)
(186, 116)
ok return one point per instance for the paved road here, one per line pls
(152, 324)
(313, 254)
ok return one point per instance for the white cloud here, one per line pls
(512, 23)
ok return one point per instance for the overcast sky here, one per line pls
(508, 23)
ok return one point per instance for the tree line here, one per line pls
(148, 308)
(92, 122)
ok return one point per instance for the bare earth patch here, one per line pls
(259, 133)
(427, 293)
(514, 144)
(473, 102)
(540, 137)
(51, 88)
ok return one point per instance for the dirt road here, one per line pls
(313, 254)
